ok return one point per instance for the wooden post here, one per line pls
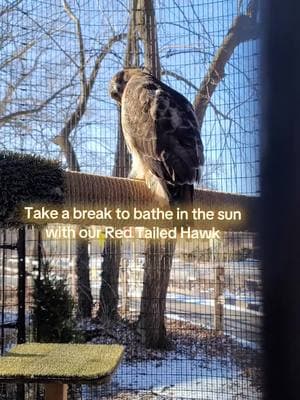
(56, 391)
(219, 298)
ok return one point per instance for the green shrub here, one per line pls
(53, 316)
(36, 181)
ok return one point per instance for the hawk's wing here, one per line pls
(163, 130)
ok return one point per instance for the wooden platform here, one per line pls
(57, 365)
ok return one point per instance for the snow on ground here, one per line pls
(177, 377)
(199, 364)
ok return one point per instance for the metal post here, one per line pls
(3, 289)
(21, 337)
(21, 285)
(40, 259)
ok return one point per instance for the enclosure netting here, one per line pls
(214, 306)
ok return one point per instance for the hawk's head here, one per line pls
(119, 81)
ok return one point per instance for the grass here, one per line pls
(62, 362)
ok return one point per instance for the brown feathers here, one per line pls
(161, 132)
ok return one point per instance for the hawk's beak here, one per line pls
(115, 92)
(115, 95)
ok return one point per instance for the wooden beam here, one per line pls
(94, 191)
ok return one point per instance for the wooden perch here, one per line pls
(93, 191)
(42, 182)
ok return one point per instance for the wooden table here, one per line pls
(57, 365)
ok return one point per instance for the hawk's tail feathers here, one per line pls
(168, 194)
(181, 195)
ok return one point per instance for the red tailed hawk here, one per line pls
(162, 134)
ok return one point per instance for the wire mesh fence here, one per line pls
(56, 61)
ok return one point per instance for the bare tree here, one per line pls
(19, 63)
(63, 141)
(142, 29)
(159, 255)
(244, 27)
(109, 291)
(37, 115)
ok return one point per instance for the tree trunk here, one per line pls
(159, 255)
(109, 293)
(85, 300)
(146, 25)
(158, 263)
(84, 294)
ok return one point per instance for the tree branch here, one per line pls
(81, 44)
(10, 8)
(179, 78)
(17, 55)
(244, 28)
(68, 150)
(12, 87)
(62, 139)
(22, 113)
